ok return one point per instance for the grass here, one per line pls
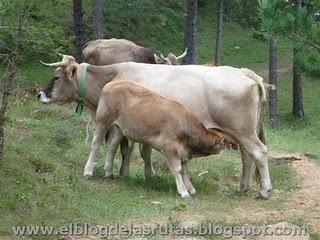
(298, 135)
(41, 178)
(44, 163)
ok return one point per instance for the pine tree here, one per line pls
(191, 32)
(78, 27)
(97, 17)
(219, 34)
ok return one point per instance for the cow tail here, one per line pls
(261, 135)
(262, 100)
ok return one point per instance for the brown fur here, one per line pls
(111, 51)
(150, 118)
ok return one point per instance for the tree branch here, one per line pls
(307, 41)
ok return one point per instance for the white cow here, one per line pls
(223, 97)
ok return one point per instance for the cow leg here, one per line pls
(126, 148)
(101, 130)
(145, 152)
(114, 140)
(186, 179)
(176, 169)
(257, 151)
(247, 164)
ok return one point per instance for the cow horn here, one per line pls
(56, 64)
(60, 54)
(183, 54)
(66, 58)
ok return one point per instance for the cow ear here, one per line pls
(72, 72)
(172, 59)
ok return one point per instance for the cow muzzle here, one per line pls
(43, 97)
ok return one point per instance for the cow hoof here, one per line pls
(109, 176)
(264, 195)
(148, 177)
(186, 196)
(149, 173)
(242, 189)
(124, 174)
(193, 191)
(88, 177)
(88, 174)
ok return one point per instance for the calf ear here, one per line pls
(72, 72)
(228, 139)
(217, 132)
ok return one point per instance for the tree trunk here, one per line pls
(8, 85)
(273, 79)
(97, 17)
(191, 33)
(78, 27)
(3, 109)
(219, 34)
(297, 106)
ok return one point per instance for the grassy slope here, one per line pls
(46, 153)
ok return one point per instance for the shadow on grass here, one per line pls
(214, 183)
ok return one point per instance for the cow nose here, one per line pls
(38, 95)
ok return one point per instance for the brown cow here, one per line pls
(165, 125)
(110, 51)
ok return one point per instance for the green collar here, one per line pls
(82, 86)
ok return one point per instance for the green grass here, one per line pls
(298, 135)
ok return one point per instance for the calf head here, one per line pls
(62, 87)
(223, 139)
(172, 59)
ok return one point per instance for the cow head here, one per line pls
(62, 87)
(170, 60)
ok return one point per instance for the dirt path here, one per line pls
(306, 200)
(304, 203)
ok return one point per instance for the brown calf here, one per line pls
(166, 125)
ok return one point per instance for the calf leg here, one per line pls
(99, 135)
(176, 169)
(186, 179)
(257, 151)
(145, 152)
(126, 148)
(114, 140)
